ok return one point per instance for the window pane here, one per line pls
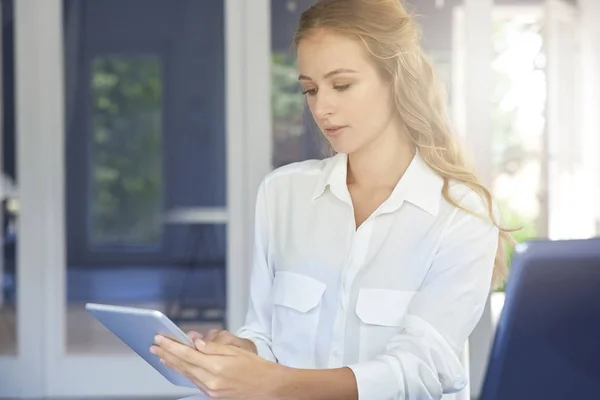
(519, 96)
(126, 172)
(8, 277)
(295, 135)
(146, 164)
(9, 202)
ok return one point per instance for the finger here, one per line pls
(182, 358)
(165, 345)
(211, 334)
(188, 366)
(199, 376)
(224, 337)
(202, 373)
(172, 361)
(214, 348)
(195, 335)
(199, 343)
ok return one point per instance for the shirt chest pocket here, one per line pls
(381, 313)
(295, 320)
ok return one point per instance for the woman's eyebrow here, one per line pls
(329, 74)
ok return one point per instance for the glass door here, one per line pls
(145, 181)
(142, 130)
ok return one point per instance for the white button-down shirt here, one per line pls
(394, 300)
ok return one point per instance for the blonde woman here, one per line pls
(372, 267)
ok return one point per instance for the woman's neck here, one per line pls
(382, 163)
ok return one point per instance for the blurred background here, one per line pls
(135, 133)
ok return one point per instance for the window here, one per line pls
(126, 180)
(519, 96)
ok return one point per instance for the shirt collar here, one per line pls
(334, 176)
(420, 185)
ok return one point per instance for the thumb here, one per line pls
(214, 348)
(199, 344)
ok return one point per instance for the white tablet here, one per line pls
(137, 327)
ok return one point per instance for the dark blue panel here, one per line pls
(188, 37)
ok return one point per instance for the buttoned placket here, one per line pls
(358, 246)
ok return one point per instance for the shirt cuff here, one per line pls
(263, 350)
(376, 380)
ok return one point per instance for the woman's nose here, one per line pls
(323, 106)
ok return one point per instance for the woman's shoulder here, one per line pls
(468, 198)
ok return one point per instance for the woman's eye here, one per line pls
(310, 92)
(341, 88)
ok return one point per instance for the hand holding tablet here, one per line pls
(219, 362)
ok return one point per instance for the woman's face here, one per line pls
(349, 100)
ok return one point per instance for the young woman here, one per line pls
(372, 267)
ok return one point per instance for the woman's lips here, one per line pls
(334, 131)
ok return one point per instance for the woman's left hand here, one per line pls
(221, 371)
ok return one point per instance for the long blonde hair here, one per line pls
(392, 38)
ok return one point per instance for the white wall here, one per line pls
(590, 124)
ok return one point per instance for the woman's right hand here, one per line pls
(224, 337)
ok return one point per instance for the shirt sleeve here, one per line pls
(257, 326)
(422, 362)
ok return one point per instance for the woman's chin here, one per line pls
(344, 149)
(341, 146)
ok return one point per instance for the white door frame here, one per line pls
(249, 138)
(570, 206)
(43, 368)
(472, 115)
(38, 118)
(589, 14)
